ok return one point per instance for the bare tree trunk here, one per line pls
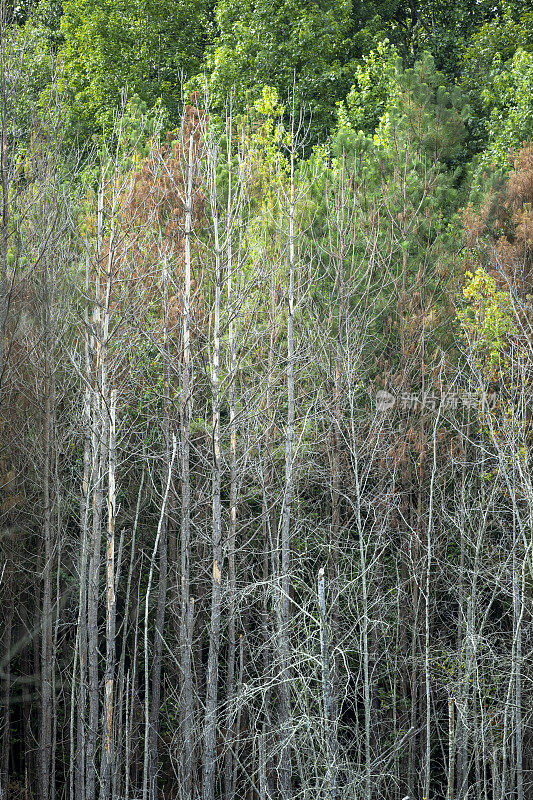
(210, 724)
(147, 716)
(124, 681)
(163, 560)
(99, 456)
(53, 755)
(518, 585)
(285, 532)
(45, 739)
(451, 749)
(4, 180)
(5, 710)
(337, 413)
(367, 701)
(187, 607)
(518, 594)
(270, 566)
(85, 518)
(232, 526)
(427, 590)
(327, 689)
(108, 761)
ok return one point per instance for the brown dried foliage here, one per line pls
(151, 221)
(503, 227)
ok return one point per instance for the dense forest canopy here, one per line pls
(266, 361)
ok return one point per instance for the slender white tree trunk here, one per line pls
(187, 604)
(210, 723)
(285, 779)
(327, 688)
(109, 676)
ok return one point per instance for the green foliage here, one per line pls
(108, 45)
(408, 178)
(376, 85)
(508, 98)
(490, 328)
(314, 50)
(48, 16)
(490, 49)
(496, 38)
(417, 107)
(31, 68)
(140, 125)
(268, 136)
(430, 113)
(487, 322)
(412, 27)
(292, 46)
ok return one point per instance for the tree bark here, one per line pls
(210, 723)
(187, 604)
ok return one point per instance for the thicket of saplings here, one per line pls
(266, 492)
